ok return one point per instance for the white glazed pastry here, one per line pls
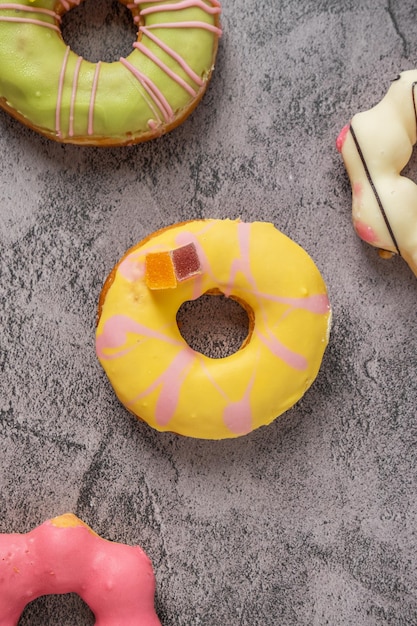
(376, 146)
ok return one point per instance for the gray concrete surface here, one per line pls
(312, 520)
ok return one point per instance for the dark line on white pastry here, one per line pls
(371, 182)
(413, 86)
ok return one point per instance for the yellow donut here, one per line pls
(48, 87)
(157, 375)
(376, 146)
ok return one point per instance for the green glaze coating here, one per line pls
(44, 84)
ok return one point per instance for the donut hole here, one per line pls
(99, 31)
(214, 325)
(47, 610)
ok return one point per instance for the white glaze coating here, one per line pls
(376, 146)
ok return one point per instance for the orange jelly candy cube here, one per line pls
(159, 271)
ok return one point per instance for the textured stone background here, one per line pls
(309, 521)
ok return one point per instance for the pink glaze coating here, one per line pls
(64, 555)
(341, 137)
(365, 232)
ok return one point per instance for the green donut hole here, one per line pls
(99, 31)
(214, 325)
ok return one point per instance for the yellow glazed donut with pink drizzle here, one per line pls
(161, 379)
(49, 88)
(376, 146)
(64, 555)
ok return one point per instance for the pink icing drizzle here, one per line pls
(27, 20)
(214, 3)
(73, 95)
(178, 6)
(22, 7)
(342, 137)
(237, 416)
(242, 263)
(357, 190)
(114, 335)
(59, 98)
(196, 24)
(170, 382)
(90, 129)
(294, 360)
(68, 5)
(152, 90)
(317, 303)
(167, 70)
(132, 268)
(114, 579)
(365, 232)
(177, 57)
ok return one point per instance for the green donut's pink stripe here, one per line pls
(178, 6)
(27, 20)
(152, 90)
(177, 57)
(180, 81)
(204, 25)
(59, 97)
(214, 3)
(73, 95)
(69, 5)
(20, 7)
(140, 78)
(90, 129)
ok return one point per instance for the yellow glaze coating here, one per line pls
(159, 378)
(376, 146)
(69, 520)
(48, 87)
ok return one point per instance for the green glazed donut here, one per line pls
(48, 87)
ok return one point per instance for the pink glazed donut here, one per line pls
(64, 555)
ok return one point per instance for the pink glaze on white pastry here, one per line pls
(64, 555)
